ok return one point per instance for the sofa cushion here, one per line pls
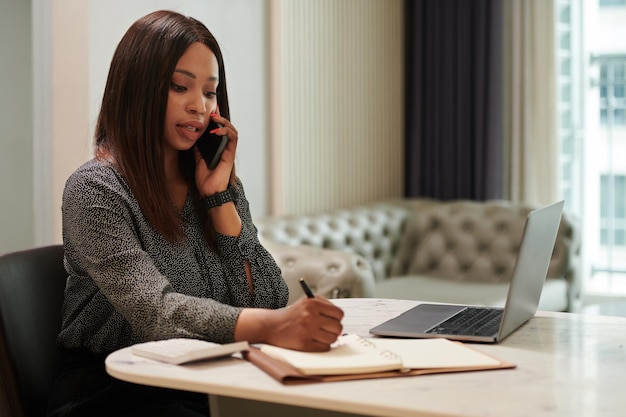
(330, 273)
(372, 231)
(462, 241)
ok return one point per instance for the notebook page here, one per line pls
(351, 354)
(434, 353)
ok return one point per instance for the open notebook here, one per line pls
(354, 357)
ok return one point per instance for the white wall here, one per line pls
(16, 116)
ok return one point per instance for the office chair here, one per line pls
(31, 294)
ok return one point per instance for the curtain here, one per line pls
(530, 108)
(454, 99)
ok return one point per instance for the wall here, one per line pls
(16, 119)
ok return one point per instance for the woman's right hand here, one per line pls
(212, 181)
(310, 324)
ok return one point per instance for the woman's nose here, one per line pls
(197, 104)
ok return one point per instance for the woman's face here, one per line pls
(192, 97)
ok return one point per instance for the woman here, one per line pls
(157, 245)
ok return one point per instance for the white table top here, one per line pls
(567, 365)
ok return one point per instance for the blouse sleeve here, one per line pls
(270, 289)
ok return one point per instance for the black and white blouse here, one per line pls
(127, 284)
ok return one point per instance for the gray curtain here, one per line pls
(454, 99)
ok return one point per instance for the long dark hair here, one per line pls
(130, 127)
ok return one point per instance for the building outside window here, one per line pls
(612, 86)
(613, 210)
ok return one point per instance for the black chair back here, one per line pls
(31, 295)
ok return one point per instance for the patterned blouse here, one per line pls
(127, 284)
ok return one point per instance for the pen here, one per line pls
(306, 288)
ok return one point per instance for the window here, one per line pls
(592, 131)
(569, 99)
(613, 210)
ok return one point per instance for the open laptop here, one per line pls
(489, 324)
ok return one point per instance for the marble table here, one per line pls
(567, 365)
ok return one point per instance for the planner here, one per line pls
(354, 357)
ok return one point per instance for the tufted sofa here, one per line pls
(423, 249)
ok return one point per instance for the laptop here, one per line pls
(489, 324)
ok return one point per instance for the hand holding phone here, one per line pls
(212, 146)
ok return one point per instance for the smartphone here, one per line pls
(211, 146)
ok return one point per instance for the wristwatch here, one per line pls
(217, 199)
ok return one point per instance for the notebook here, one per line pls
(490, 324)
(354, 357)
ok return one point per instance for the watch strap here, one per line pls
(217, 199)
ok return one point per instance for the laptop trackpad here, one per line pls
(425, 316)
(417, 319)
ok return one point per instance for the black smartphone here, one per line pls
(211, 146)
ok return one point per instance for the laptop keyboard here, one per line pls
(470, 322)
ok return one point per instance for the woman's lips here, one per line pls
(190, 131)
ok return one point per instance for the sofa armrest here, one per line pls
(330, 273)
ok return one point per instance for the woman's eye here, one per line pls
(210, 94)
(178, 88)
